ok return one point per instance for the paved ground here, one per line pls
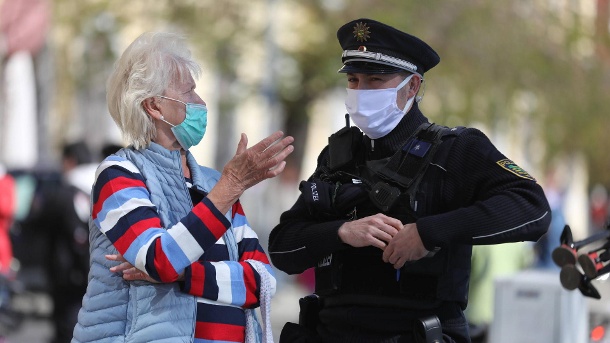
(37, 327)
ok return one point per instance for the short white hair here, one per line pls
(146, 69)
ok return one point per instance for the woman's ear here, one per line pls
(151, 106)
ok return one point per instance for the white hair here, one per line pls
(145, 69)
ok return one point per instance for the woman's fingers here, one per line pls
(264, 144)
(264, 160)
(242, 145)
(117, 257)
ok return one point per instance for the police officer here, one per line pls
(389, 217)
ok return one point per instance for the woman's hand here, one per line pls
(130, 273)
(249, 166)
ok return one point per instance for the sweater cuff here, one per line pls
(428, 229)
(325, 237)
(217, 214)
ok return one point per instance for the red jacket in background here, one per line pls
(7, 210)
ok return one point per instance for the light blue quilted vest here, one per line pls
(118, 311)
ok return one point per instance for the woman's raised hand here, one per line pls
(249, 166)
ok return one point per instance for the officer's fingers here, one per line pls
(397, 224)
(400, 263)
(384, 234)
(381, 218)
(377, 243)
(393, 257)
(389, 230)
(387, 253)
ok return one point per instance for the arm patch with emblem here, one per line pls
(515, 169)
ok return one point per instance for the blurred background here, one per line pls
(533, 75)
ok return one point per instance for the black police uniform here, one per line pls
(469, 194)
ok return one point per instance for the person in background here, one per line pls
(555, 191)
(191, 268)
(392, 211)
(7, 211)
(109, 149)
(490, 262)
(7, 271)
(66, 214)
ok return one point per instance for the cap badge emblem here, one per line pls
(361, 32)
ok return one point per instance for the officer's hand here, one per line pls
(374, 230)
(405, 246)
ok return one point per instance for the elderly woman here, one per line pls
(200, 266)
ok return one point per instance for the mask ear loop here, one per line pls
(165, 121)
(419, 98)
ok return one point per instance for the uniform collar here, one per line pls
(390, 143)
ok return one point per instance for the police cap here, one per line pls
(372, 47)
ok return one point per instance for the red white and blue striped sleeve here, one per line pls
(123, 211)
(232, 282)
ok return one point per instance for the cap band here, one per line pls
(367, 56)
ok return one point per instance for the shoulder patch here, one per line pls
(515, 169)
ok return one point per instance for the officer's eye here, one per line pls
(375, 80)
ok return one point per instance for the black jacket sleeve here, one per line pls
(299, 241)
(491, 200)
(303, 238)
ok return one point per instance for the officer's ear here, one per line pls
(414, 85)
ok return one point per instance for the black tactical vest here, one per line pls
(406, 187)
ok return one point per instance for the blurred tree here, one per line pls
(227, 35)
(540, 66)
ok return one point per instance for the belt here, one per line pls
(379, 301)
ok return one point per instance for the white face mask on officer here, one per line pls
(374, 111)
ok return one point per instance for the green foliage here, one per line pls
(492, 53)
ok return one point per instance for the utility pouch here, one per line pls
(342, 146)
(328, 274)
(428, 330)
(309, 311)
(384, 196)
(295, 333)
(317, 195)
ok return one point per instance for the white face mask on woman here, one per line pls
(374, 111)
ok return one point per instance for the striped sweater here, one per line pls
(191, 251)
